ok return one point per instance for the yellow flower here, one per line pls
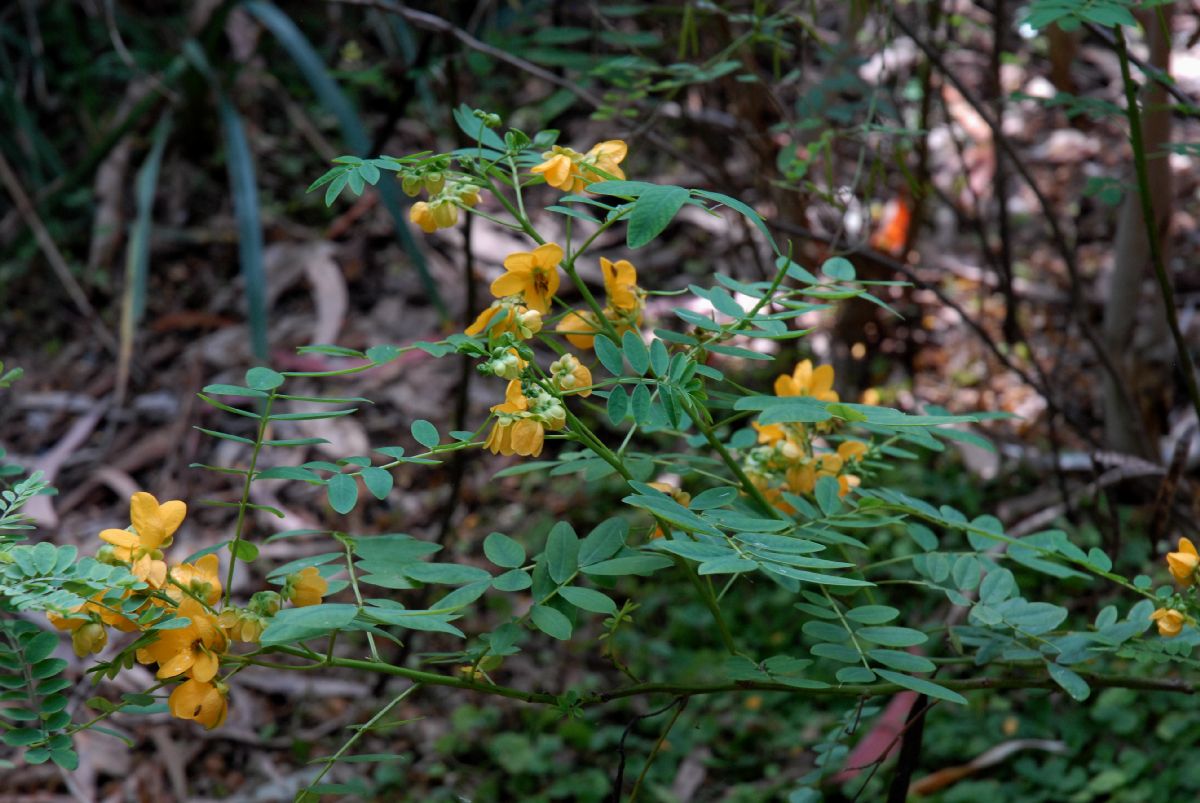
(605, 156)
(571, 376)
(579, 328)
(194, 649)
(620, 283)
(522, 436)
(422, 214)
(807, 381)
(306, 587)
(571, 171)
(90, 611)
(202, 579)
(507, 316)
(852, 451)
(768, 433)
(151, 572)
(153, 525)
(1184, 562)
(513, 434)
(1169, 621)
(199, 700)
(560, 169)
(242, 625)
(531, 274)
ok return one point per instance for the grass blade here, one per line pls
(244, 188)
(331, 96)
(137, 255)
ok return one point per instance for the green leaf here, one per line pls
(855, 674)
(641, 403)
(445, 573)
(342, 491)
(636, 352)
(40, 647)
(892, 636)
(562, 552)
(503, 551)
(903, 661)
(604, 541)
(378, 481)
(659, 358)
(292, 625)
(1101, 561)
(551, 622)
(514, 580)
(643, 565)
(839, 268)
(588, 599)
(872, 614)
(609, 355)
(653, 210)
(997, 586)
(921, 686)
(827, 495)
(672, 512)
(264, 379)
(425, 433)
(1071, 683)
(618, 405)
(243, 550)
(713, 498)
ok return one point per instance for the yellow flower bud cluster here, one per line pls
(793, 458)
(448, 192)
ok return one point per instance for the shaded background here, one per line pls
(156, 236)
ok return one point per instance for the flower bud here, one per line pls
(410, 184)
(266, 603)
(445, 214)
(434, 183)
(529, 323)
(89, 638)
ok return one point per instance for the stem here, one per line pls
(662, 738)
(259, 437)
(1133, 111)
(329, 762)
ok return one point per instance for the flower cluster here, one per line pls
(441, 210)
(523, 420)
(1183, 565)
(524, 295)
(626, 303)
(572, 171)
(176, 609)
(793, 458)
(448, 192)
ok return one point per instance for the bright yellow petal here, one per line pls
(1186, 545)
(511, 284)
(546, 256)
(482, 321)
(520, 262)
(177, 664)
(205, 666)
(822, 380)
(120, 538)
(172, 514)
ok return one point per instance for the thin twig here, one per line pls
(1065, 249)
